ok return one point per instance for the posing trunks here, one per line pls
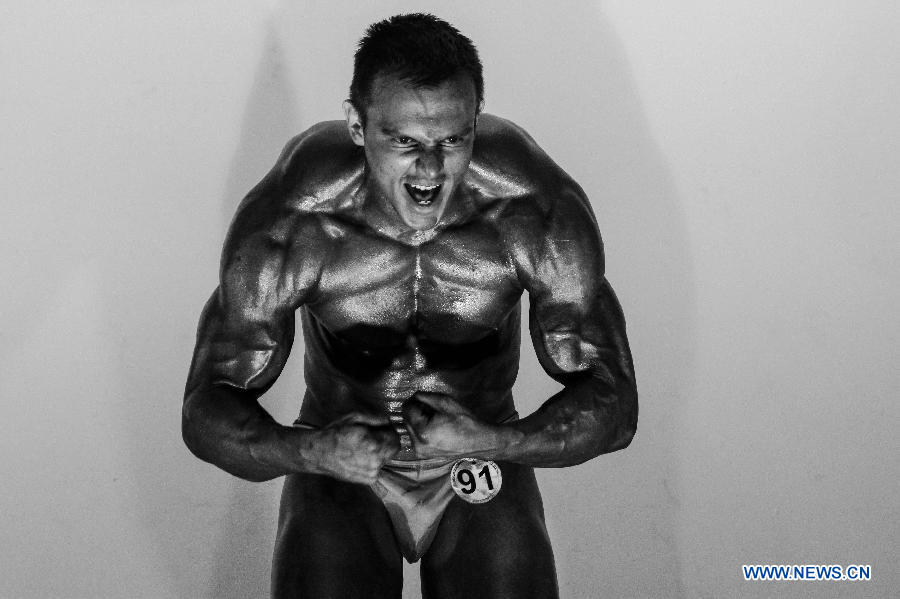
(415, 494)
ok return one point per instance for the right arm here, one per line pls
(269, 266)
(223, 423)
(236, 360)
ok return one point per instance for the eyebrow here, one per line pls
(396, 133)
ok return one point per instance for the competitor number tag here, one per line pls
(476, 481)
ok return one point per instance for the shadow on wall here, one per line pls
(180, 524)
(243, 551)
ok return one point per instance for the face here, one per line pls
(418, 143)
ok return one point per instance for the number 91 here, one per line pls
(470, 483)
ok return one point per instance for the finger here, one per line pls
(370, 419)
(415, 416)
(362, 471)
(364, 418)
(440, 403)
(386, 439)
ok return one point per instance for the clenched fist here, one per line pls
(354, 447)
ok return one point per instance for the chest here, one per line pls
(456, 288)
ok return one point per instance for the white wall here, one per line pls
(741, 158)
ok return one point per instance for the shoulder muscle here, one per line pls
(546, 219)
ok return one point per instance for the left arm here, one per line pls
(578, 331)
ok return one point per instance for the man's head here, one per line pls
(415, 97)
(419, 49)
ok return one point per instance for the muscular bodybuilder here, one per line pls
(404, 239)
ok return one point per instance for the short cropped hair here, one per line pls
(418, 48)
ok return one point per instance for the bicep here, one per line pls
(247, 327)
(271, 261)
(576, 321)
(583, 335)
(238, 349)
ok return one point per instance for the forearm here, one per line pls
(222, 426)
(586, 419)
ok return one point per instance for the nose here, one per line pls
(431, 163)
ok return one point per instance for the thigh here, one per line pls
(334, 540)
(495, 549)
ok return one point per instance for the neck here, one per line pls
(380, 214)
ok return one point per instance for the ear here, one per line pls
(354, 123)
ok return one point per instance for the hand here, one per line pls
(442, 427)
(354, 447)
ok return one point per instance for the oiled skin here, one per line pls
(388, 313)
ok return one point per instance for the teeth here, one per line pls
(423, 195)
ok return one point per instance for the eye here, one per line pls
(453, 141)
(403, 141)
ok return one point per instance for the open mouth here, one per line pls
(423, 195)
